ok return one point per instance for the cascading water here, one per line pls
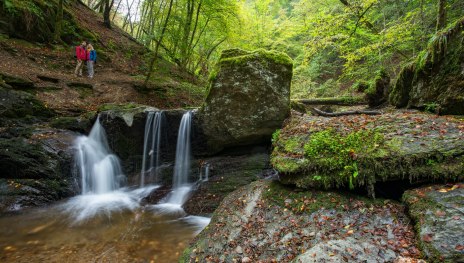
(99, 168)
(204, 173)
(151, 146)
(180, 185)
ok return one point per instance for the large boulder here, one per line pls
(435, 81)
(359, 150)
(438, 214)
(267, 222)
(249, 98)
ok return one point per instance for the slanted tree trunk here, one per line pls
(58, 22)
(441, 18)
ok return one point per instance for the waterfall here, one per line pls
(204, 173)
(99, 168)
(182, 164)
(151, 146)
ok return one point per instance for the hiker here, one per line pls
(91, 59)
(81, 55)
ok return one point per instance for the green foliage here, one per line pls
(275, 136)
(431, 107)
(340, 152)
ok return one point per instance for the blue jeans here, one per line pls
(90, 68)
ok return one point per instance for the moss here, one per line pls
(299, 201)
(358, 156)
(435, 74)
(241, 58)
(118, 107)
(78, 124)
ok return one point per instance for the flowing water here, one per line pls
(151, 147)
(107, 222)
(180, 184)
(99, 168)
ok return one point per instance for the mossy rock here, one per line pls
(436, 74)
(78, 124)
(377, 93)
(38, 28)
(354, 151)
(248, 98)
(16, 82)
(437, 213)
(18, 104)
(265, 221)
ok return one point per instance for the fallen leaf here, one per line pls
(427, 237)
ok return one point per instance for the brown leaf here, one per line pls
(427, 237)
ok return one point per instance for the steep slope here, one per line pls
(119, 69)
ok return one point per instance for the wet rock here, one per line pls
(435, 80)
(125, 125)
(248, 99)
(227, 173)
(36, 170)
(18, 104)
(81, 124)
(401, 146)
(257, 221)
(438, 212)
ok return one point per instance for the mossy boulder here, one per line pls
(436, 76)
(16, 82)
(358, 151)
(18, 104)
(36, 170)
(377, 93)
(29, 20)
(438, 215)
(249, 97)
(267, 222)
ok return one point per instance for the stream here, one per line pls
(111, 227)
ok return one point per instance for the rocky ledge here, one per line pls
(268, 222)
(357, 151)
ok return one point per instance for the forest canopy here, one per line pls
(337, 45)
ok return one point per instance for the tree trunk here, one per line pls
(441, 18)
(58, 22)
(106, 13)
(157, 45)
(318, 112)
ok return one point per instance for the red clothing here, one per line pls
(81, 53)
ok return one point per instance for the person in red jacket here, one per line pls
(81, 55)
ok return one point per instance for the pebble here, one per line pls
(239, 250)
(246, 260)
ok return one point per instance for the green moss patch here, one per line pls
(357, 151)
(239, 57)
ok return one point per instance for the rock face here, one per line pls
(249, 98)
(358, 151)
(435, 81)
(36, 170)
(438, 213)
(377, 93)
(266, 222)
(227, 173)
(125, 125)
